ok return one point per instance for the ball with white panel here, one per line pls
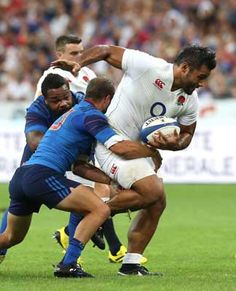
(163, 124)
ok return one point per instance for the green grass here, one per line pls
(194, 247)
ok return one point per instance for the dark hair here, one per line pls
(100, 87)
(62, 40)
(52, 81)
(197, 56)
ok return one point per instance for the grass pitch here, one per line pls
(194, 247)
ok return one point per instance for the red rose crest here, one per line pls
(86, 78)
(181, 100)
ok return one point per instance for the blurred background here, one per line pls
(28, 30)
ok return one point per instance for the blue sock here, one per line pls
(75, 219)
(73, 251)
(2, 228)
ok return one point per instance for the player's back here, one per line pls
(65, 140)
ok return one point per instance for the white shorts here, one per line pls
(125, 172)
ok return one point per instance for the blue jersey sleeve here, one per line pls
(35, 122)
(37, 117)
(98, 126)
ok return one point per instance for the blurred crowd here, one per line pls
(28, 30)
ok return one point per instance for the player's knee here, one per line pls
(156, 209)
(160, 204)
(103, 211)
(156, 195)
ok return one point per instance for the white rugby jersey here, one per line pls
(145, 91)
(78, 83)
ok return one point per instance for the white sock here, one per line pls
(132, 258)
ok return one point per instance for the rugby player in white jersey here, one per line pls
(150, 87)
(70, 47)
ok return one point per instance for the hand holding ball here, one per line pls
(163, 124)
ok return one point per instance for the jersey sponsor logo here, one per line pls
(56, 126)
(113, 169)
(159, 84)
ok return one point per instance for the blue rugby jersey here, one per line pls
(73, 134)
(39, 118)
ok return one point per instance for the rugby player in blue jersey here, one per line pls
(41, 180)
(40, 116)
(70, 47)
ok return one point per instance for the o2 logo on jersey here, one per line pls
(158, 109)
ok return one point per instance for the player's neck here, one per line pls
(176, 79)
(90, 101)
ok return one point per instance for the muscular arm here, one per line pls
(33, 139)
(90, 172)
(128, 150)
(175, 142)
(109, 53)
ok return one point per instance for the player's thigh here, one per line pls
(150, 187)
(82, 199)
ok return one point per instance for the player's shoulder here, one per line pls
(77, 96)
(54, 70)
(132, 53)
(88, 109)
(38, 106)
(191, 101)
(88, 71)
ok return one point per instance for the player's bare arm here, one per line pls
(90, 172)
(175, 142)
(128, 150)
(33, 139)
(111, 54)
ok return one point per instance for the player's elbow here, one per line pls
(33, 145)
(104, 51)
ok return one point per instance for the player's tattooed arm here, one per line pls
(33, 139)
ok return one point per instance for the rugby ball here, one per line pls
(163, 124)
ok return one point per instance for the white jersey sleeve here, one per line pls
(190, 114)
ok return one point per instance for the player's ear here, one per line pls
(58, 54)
(184, 67)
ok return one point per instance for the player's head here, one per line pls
(56, 92)
(100, 92)
(69, 47)
(194, 65)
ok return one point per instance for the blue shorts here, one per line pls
(34, 185)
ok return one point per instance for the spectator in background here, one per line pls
(159, 27)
